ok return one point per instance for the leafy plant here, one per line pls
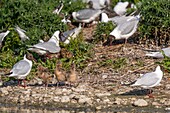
(102, 32)
(155, 21)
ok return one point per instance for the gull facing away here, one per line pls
(21, 33)
(70, 34)
(159, 54)
(51, 46)
(2, 36)
(150, 80)
(86, 15)
(98, 4)
(22, 68)
(58, 8)
(116, 20)
(125, 30)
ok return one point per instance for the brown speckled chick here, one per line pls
(59, 73)
(72, 78)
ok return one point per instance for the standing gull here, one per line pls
(22, 68)
(21, 33)
(159, 53)
(2, 36)
(125, 30)
(150, 80)
(51, 46)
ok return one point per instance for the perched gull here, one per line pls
(125, 30)
(116, 20)
(22, 68)
(58, 8)
(150, 80)
(51, 46)
(159, 53)
(121, 7)
(70, 34)
(2, 36)
(65, 20)
(86, 15)
(21, 33)
(98, 4)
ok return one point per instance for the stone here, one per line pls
(56, 99)
(140, 103)
(167, 86)
(103, 94)
(117, 101)
(84, 99)
(65, 99)
(4, 91)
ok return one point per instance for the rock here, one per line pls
(103, 94)
(56, 99)
(140, 103)
(98, 107)
(167, 109)
(155, 104)
(4, 91)
(167, 102)
(117, 101)
(65, 99)
(84, 99)
(167, 86)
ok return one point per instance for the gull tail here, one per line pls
(129, 84)
(5, 74)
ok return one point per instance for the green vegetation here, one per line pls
(37, 19)
(155, 21)
(102, 32)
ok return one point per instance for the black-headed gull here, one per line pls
(159, 54)
(2, 36)
(58, 8)
(70, 34)
(98, 4)
(121, 7)
(86, 15)
(51, 46)
(21, 33)
(125, 30)
(116, 19)
(22, 68)
(150, 80)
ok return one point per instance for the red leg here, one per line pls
(19, 83)
(150, 94)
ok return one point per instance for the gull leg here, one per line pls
(150, 94)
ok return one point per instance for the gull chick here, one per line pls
(22, 68)
(150, 80)
(72, 78)
(2, 36)
(21, 33)
(59, 73)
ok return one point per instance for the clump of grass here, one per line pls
(115, 64)
(102, 32)
(81, 50)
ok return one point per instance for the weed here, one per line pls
(102, 32)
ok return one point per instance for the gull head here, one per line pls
(29, 56)
(104, 18)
